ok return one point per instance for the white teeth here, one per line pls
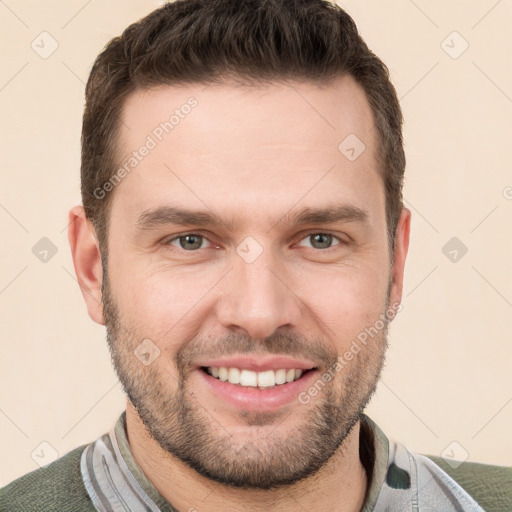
(280, 376)
(266, 379)
(234, 376)
(248, 378)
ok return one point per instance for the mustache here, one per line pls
(292, 345)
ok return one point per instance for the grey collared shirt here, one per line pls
(398, 480)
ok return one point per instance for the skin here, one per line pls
(251, 156)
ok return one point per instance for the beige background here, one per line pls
(448, 376)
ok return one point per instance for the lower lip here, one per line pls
(258, 399)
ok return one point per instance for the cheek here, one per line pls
(347, 300)
(159, 302)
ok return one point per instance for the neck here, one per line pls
(339, 486)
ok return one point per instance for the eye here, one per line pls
(191, 242)
(187, 242)
(322, 240)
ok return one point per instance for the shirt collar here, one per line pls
(112, 476)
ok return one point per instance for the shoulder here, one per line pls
(55, 487)
(489, 485)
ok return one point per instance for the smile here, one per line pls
(266, 390)
(248, 378)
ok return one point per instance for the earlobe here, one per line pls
(400, 254)
(87, 261)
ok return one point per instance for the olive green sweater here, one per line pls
(60, 487)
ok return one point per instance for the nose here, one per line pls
(257, 299)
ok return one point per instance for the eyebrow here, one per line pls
(173, 215)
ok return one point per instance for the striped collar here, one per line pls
(397, 479)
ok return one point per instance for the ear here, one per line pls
(400, 253)
(87, 261)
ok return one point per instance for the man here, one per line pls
(242, 228)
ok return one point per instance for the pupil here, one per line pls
(189, 239)
(325, 236)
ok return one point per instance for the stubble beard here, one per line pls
(257, 456)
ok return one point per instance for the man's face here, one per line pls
(262, 292)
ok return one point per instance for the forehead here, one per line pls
(225, 146)
(327, 111)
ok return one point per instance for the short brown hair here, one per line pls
(206, 41)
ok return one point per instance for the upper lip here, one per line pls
(258, 364)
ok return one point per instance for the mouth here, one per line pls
(267, 379)
(257, 388)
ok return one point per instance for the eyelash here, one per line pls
(341, 242)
